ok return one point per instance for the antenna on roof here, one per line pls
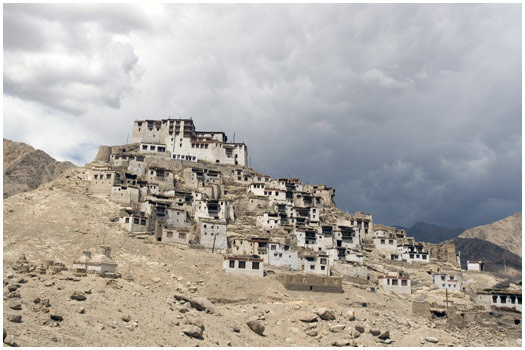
(234, 137)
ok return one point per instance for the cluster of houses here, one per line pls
(193, 187)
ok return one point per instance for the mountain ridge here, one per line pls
(26, 168)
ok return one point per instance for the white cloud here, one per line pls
(375, 76)
(399, 107)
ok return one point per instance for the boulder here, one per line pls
(10, 340)
(199, 303)
(15, 318)
(77, 295)
(356, 333)
(308, 318)
(337, 328)
(350, 315)
(82, 310)
(375, 332)
(56, 317)
(326, 314)
(195, 320)
(340, 342)
(256, 326)
(192, 331)
(312, 332)
(385, 335)
(125, 318)
(12, 287)
(360, 329)
(431, 339)
(14, 305)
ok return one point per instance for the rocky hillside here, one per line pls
(505, 233)
(423, 232)
(498, 260)
(26, 168)
(146, 307)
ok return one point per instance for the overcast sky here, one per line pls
(411, 112)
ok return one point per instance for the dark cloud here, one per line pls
(412, 112)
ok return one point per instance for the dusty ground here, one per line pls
(59, 220)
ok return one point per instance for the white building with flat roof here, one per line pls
(179, 137)
(239, 265)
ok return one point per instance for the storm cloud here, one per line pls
(411, 112)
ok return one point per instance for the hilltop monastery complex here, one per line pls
(187, 187)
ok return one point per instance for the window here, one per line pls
(387, 281)
(390, 241)
(273, 247)
(312, 267)
(404, 282)
(232, 264)
(127, 220)
(96, 177)
(143, 221)
(182, 235)
(394, 282)
(503, 299)
(144, 147)
(136, 220)
(382, 241)
(151, 148)
(323, 260)
(255, 265)
(242, 264)
(169, 234)
(494, 298)
(411, 256)
(323, 268)
(424, 257)
(442, 278)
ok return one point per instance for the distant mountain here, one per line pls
(423, 232)
(505, 233)
(26, 168)
(497, 259)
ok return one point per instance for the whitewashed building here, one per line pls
(268, 221)
(499, 298)
(413, 253)
(475, 265)
(281, 255)
(445, 281)
(317, 264)
(395, 283)
(213, 235)
(178, 136)
(244, 266)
